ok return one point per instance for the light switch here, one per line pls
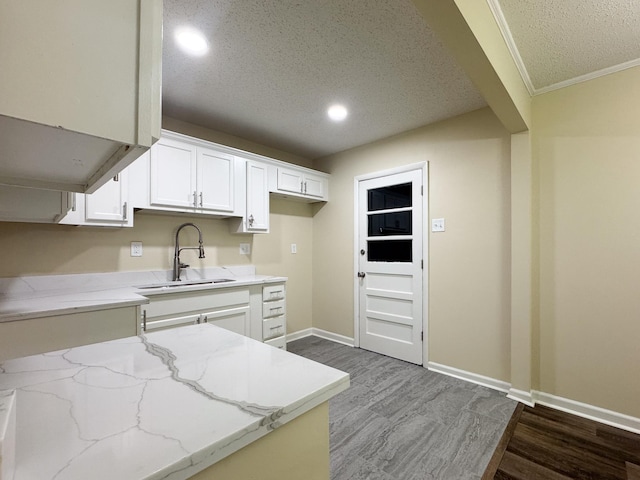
(245, 249)
(437, 224)
(294, 248)
(136, 249)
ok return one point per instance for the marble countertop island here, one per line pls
(160, 406)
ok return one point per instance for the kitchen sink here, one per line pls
(187, 283)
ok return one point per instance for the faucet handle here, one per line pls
(183, 265)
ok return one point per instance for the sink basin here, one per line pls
(186, 283)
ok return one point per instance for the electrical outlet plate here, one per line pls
(245, 249)
(136, 249)
(437, 224)
(294, 248)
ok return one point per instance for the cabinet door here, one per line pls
(173, 174)
(109, 202)
(214, 180)
(18, 204)
(257, 197)
(289, 180)
(234, 319)
(313, 186)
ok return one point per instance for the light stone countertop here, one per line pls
(23, 298)
(165, 405)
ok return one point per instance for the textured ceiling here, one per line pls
(274, 67)
(564, 41)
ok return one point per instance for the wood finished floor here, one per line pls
(400, 421)
(543, 443)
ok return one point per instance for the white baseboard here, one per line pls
(521, 396)
(307, 332)
(317, 332)
(602, 415)
(470, 377)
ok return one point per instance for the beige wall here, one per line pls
(586, 140)
(469, 264)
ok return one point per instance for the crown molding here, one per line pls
(511, 44)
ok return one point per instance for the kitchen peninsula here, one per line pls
(170, 405)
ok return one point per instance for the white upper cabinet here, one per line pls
(109, 206)
(20, 204)
(256, 214)
(215, 183)
(189, 176)
(173, 174)
(299, 183)
(80, 87)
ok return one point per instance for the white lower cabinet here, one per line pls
(227, 308)
(274, 320)
(256, 311)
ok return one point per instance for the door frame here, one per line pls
(424, 168)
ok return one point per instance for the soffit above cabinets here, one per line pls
(562, 42)
(273, 69)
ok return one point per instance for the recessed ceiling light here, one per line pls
(337, 113)
(191, 41)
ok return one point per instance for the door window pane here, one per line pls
(393, 196)
(397, 223)
(389, 251)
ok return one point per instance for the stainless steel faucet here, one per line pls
(177, 265)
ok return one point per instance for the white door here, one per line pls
(257, 197)
(390, 257)
(109, 202)
(313, 186)
(173, 174)
(215, 180)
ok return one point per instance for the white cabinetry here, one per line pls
(109, 206)
(80, 88)
(19, 204)
(274, 322)
(227, 308)
(256, 215)
(190, 177)
(299, 183)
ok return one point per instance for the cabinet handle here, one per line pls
(144, 320)
(206, 319)
(200, 198)
(73, 205)
(251, 220)
(195, 198)
(301, 187)
(305, 187)
(124, 211)
(116, 178)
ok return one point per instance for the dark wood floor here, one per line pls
(546, 444)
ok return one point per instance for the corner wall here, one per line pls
(586, 143)
(468, 265)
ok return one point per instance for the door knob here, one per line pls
(361, 274)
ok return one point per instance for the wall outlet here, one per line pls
(245, 249)
(136, 249)
(437, 224)
(294, 248)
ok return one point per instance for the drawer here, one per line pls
(273, 327)
(279, 342)
(272, 309)
(272, 292)
(202, 300)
